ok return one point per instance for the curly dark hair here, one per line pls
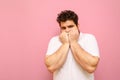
(67, 15)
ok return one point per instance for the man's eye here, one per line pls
(63, 28)
(70, 26)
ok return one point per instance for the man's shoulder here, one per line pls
(54, 38)
(86, 35)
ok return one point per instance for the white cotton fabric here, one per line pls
(71, 70)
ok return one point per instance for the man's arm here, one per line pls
(57, 59)
(86, 60)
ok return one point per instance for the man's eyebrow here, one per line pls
(62, 26)
(70, 25)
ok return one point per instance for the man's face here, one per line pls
(68, 25)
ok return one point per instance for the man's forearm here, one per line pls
(57, 59)
(86, 60)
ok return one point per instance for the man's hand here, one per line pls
(73, 36)
(64, 37)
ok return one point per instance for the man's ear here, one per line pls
(78, 26)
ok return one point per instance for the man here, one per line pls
(72, 55)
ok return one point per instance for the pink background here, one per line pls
(26, 27)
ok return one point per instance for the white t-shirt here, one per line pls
(71, 70)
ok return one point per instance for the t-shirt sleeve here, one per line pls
(91, 45)
(52, 46)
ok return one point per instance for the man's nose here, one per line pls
(67, 30)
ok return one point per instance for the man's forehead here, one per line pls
(67, 23)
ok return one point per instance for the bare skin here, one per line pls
(69, 38)
(86, 60)
(57, 59)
